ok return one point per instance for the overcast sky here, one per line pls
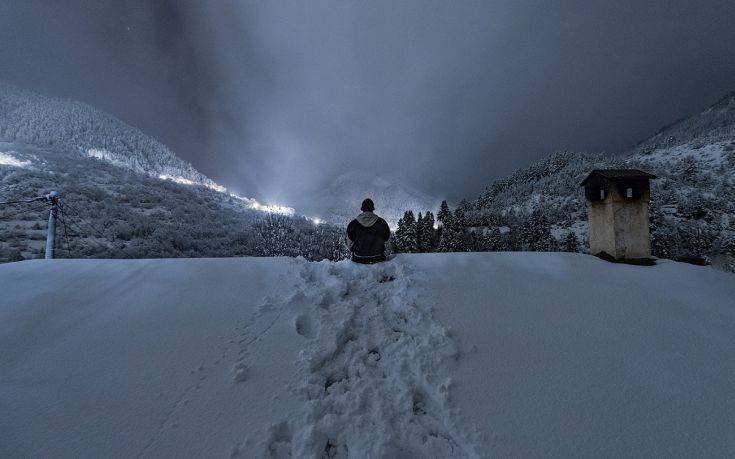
(272, 98)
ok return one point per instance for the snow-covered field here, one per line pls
(433, 355)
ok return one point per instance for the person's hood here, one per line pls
(367, 219)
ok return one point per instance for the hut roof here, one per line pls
(618, 174)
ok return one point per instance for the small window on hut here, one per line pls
(602, 193)
(629, 192)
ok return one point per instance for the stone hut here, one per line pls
(617, 212)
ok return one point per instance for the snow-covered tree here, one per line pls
(406, 238)
(428, 239)
(444, 216)
(570, 243)
(491, 240)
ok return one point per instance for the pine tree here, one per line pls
(539, 232)
(458, 219)
(490, 240)
(339, 249)
(411, 237)
(419, 232)
(453, 237)
(445, 215)
(428, 241)
(446, 243)
(397, 239)
(570, 243)
(536, 233)
(461, 239)
(405, 239)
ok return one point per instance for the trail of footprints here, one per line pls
(371, 370)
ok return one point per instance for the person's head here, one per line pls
(367, 205)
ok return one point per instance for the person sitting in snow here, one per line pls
(367, 235)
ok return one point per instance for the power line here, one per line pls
(88, 224)
(69, 216)
(80, 234)
(22, 211)
(66, 235)
(25, 201)
(83, 220)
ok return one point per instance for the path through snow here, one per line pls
(373, 374)
(549, 354)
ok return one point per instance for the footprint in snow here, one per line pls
(240, 372)
(305, 326)
(279, 441)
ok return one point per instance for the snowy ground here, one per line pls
(465, 355)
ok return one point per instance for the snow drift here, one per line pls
(436, 355)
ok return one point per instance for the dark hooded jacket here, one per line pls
(366, 237)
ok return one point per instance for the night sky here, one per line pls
(273, 99)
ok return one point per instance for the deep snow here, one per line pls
(430, 355)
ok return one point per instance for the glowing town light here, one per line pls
(105, 155)
(216, 187)
(272, 208)
(7, 159)
(99, 154)
(176, 179)
(184, 181)
(317, 221)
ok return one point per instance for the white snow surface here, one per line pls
(430, 355)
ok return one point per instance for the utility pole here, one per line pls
(53, 200)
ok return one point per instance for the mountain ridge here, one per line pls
(54, 122)
(716, 122)
(541, 207)
(125, 194)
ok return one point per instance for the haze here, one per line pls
(274, 99)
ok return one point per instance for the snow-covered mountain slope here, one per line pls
(340, 201)
(51, 122)
(114, 212)
(714, 124)
(132, 195)
(693, 200)
(68, 125)
(430, 355)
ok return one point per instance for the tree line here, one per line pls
(450, 233)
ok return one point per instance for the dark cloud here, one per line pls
(275, 98)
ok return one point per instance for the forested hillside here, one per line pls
(112, 212)
(126, 195)
(715, 124)
(542, 207)
(35, 119)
